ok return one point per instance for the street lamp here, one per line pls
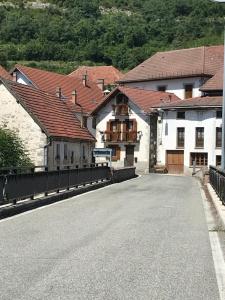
(223, 107)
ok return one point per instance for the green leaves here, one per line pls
(12, 150)
(119, 32)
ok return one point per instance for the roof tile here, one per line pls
(50, 112)
(178, 63)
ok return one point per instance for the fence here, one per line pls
(217, 180)
(19, 185)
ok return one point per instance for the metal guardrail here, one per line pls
(217, 180)
(14, 187)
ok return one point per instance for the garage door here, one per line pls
(175, 161)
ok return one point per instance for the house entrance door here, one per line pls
(129, 160)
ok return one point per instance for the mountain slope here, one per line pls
(118, 32)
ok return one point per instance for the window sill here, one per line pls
(180, 148)
(200, 148)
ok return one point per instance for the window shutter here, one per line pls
(118, 153)
(108, 127)
(134, 129)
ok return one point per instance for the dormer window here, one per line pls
(121, 99)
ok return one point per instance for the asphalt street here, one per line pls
(146, 238)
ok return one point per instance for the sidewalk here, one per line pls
(220, 208)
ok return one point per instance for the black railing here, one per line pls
(14, 187)
(217, 181)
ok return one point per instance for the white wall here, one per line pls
(77, 147)
(175, 86)
(141, 150)
(193, 119)
(15, 117)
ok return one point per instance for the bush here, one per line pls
(12, 150)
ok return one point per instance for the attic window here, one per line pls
(161, 88)
(121, 98)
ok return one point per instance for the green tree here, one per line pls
(12, 150)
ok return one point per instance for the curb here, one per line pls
(220, 208)
(19, 208)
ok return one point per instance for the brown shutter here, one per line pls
(118, 153)
(124, 129)
(134, 130)
(107, 137)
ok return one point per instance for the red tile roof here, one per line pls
(144, 99)
(88, 96)
(4, 73)
(109, 73)
(215, 83)
(49, 112)
(178, 63)
(198, 102)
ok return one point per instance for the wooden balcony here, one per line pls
(120, 110)
(121, 136)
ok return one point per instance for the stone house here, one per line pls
(127, 125)
(51, 133)
(81, 95)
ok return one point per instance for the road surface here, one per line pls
(146, 238)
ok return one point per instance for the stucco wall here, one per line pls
(77, 147)
(15, 117)
(175, 86)
(141, 150)
(193, 119)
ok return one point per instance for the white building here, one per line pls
(181, 72)
(127, 125)
(190, 134)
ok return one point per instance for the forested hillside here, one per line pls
(118, 32)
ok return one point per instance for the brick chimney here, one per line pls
(74, 97)
(58, 92)
(101, 84)
(14, 77)
(84, 79)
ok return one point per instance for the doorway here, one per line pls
(129, 160)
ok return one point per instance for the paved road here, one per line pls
(142, 239)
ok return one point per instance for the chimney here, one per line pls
(84, 79)
(58, 92)
(14, 77)
(101, 84)
(74, 97)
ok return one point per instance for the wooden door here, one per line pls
(129, 161)
(175, 161)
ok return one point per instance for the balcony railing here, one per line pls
(120, 110)
(121, 136)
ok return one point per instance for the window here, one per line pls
(84, 121)
(181, 115)
(72, 157)
(57, 152)
(83, 152)
(94, 122)
(219, 114)
(180, 137)
(218, 137)
(121, 99)
(65, 152)
(218, 160)
(161, 88)
(188, 91)
(199, 137)
(200, 159)
(115, 152)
